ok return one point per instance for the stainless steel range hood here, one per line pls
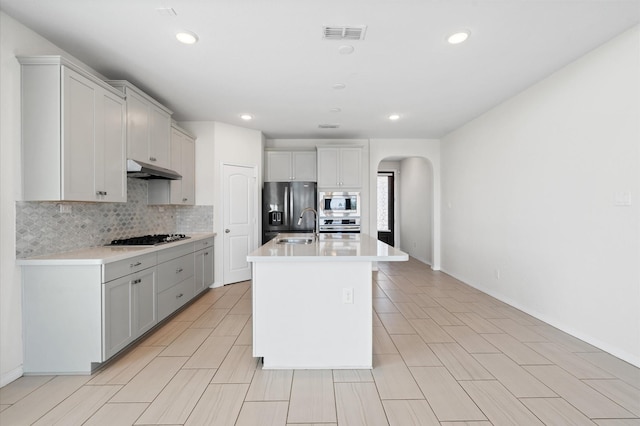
(140, 170)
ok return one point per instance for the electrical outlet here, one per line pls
(347, 295)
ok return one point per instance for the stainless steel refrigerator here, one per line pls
(282, 203)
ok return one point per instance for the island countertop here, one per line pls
(328, 247)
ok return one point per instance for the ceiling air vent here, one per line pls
(344, 32)
(328, 126)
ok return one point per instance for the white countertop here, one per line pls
(328, 248)
(105, 254)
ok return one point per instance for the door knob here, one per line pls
(226, 231)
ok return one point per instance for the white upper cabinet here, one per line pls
(148, 126)
(182, 192)
(285, 166)
(73, 134)
(339, 167)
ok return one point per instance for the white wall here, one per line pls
(529, 191)
(429, 151)
(15, 40)
(416, 207)
(217, 144)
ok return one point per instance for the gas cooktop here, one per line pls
(149, 240)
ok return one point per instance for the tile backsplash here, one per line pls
(41, 228)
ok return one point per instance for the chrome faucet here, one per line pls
(315, 219)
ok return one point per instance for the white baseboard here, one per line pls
(10, 376)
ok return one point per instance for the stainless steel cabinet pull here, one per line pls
(133, 265)
(179, 296)
(185, 200)
(152, 158)
(138, 281)
(179, 270)
(226, 231)
(206, 253)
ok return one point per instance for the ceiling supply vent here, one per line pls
(344, 32)
(328, 126)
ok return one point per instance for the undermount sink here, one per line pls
(294, 240)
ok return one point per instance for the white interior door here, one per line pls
(239, 189)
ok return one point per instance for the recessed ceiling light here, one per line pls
(339, 86)
(187, 37)
(246, 117)
(394, 117)
(458, 37)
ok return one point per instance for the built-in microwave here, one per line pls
(339, 204)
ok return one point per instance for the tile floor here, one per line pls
(444, 354)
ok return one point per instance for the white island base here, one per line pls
(312, 304)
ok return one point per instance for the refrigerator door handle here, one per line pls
(286, 205)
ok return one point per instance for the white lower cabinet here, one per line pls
(204, 265)
(176, 284)
(129, 309)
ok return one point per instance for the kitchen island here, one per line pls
(312, 300)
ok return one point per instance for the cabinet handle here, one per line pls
(184, 200)
(152, 159)
(138, 281)
(133, 265)
(179, 296)
(101, 192)
(206, 253)
(179, 270)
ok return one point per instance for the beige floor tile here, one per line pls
(442, 316)
(567, 341)
(485, 311)
(445, 396)
(414, 351)
(516, 350)
(452, 305)
(397, 296)
(521, 332)
(556, 411)
(120, 414)
(393, 378)
(512, 376)
(377, 291)
(18, 389)
(575, 365)
(477, 322)
(187, 343)
(166, 334)
(211, 353)
(242, 307)
(176, 401)
(4, 407)
(586, 399)
(465, 423)
(411, 310)
(37, 403)
(409, 413)
(352, 376)
(312, 424)
(263, 414)
(500, 406)
(396, 324)
(227, 301)
(192, 312)
(387, 284)
(618, 422)
(430, 331)
(619, 392)
(312, 397)
(145, 386)
(219, 405)
(231, 325)
(210, 318)
(383, 305)
(426, 301)
(237, 367)
(77, 408)
(614, 366)
(359, 404)
(246, 335)
(382, 343)
(471, 341)
(459, 362)
(123, 369)
(270, 385)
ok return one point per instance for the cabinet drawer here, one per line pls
(174, 271)
(203, 244)
(114, 270)
(173, 252)
(174, 297)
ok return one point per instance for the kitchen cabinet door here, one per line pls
(118, 321)
(328, 175)
(340, 167)
(204, 269)
(144, 302)
(111, 156)
(183, 191)
(137, 127)
(304, 165)
(279, 166)
(159, 137)
(287, 166)
(350, 167)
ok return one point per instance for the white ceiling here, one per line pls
(267, 57)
